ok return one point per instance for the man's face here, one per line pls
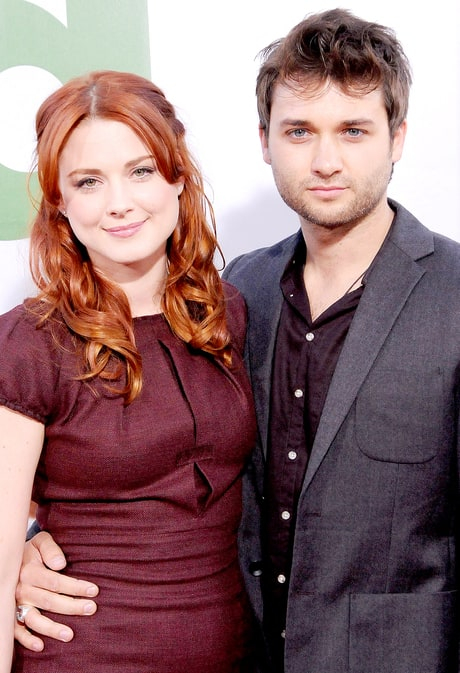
(331, 153)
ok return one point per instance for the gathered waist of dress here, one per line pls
(127, 537)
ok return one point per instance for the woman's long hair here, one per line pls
(94, 309)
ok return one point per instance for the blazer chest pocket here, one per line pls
(400, 415)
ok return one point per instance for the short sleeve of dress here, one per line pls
(29, 365)
(236, 315)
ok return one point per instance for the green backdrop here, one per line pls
(112, 34)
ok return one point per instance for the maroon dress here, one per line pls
(145, 500)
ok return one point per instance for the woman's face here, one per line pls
(118, 205)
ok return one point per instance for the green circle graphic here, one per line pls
(108, 34)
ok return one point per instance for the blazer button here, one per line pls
(255, 568)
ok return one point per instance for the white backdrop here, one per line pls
(203, 55)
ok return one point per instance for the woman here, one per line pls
(124, 402)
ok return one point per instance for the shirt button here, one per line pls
(309, 336)
(281, 579)
(298, 392)
(292, 455)
(285, 515)
(255, 568)
(283, 633)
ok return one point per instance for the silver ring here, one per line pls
(21, 612)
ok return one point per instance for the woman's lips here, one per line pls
(125, 230)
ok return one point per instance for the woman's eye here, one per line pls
(142, 171)
(87, 182)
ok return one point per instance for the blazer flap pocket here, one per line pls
(396, 633)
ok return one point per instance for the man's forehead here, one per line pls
(298, 94)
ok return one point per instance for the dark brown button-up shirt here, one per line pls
(306, 354)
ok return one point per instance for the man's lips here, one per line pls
(327, 191)
(327, 188)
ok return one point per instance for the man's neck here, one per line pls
(337, 259)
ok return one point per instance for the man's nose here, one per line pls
(327, 158)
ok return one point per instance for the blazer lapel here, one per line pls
(264, 303)
(391, 281)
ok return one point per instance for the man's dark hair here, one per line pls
(339, 48)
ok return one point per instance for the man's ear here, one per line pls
(398, 142)
(264, 144)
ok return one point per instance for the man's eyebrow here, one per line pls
(360, 121)
(300, 123)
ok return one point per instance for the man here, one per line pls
(350, 533)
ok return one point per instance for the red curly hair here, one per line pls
(94, 309)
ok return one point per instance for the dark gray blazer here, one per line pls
(374, 579)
